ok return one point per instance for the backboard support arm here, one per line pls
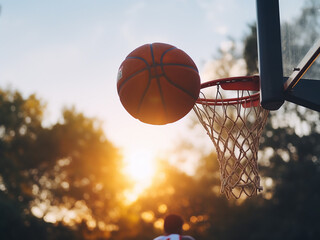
(303, 66)
(270, 54)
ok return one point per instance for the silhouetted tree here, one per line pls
(70, 167)
(250, 53)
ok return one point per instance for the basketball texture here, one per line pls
(158, 83)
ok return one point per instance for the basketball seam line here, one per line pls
(179, 87)
(174, 64)
(149, 67)
(140, 58)
(159, 85)
(162, 98)
(149, 81)
(158, 79)
(128, 78)
(181, 65)
(144, 94)
(148, 85)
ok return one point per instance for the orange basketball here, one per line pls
(158, 83)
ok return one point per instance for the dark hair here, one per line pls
(173, 224)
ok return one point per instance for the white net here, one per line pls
(234, 128)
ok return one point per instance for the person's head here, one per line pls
(173, 224)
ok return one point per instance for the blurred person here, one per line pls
(173, 229)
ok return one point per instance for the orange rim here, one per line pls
(249, 83)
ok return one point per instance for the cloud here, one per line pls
(134, 9)
(214, 12)
(142, 25)
(128, 28)
(228, 16)
(222, 30)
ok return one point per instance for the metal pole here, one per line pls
(270, 54)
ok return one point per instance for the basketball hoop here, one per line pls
(234, 125)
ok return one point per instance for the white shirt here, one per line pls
(169, 237)
(174, 237)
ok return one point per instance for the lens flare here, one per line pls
(140, 169)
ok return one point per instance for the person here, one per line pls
(173, 229)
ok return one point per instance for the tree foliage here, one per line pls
(68, 168)
(250, 52)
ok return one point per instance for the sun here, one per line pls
(140, 169)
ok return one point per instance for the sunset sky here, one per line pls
(68, 53)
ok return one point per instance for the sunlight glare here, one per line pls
(139, 168)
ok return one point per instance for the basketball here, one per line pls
(158, 83)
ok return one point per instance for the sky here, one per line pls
(68, 53)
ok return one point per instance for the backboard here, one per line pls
(289, 46)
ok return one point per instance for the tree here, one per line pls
(298, 37)
(250, 52)
(291, 140)
(69, 167)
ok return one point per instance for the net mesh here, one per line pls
(235, 130)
